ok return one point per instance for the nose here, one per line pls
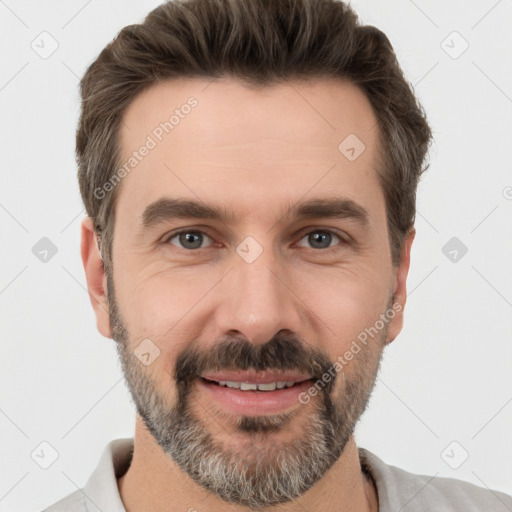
(257, 300)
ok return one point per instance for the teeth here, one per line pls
(267, 387)
(249, 386)
(245, 386)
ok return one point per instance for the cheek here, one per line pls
(161, 306)
(346, 304)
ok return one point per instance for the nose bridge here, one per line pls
(255, 301)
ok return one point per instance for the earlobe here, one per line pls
(95, 276)
(400, 291)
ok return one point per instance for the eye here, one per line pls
(320, 238)
(195, 239)
(188, 239)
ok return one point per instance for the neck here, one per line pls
(155, 482)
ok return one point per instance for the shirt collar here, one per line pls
(101, 489)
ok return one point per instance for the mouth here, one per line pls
(255, 394)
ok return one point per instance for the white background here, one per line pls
(448, 375)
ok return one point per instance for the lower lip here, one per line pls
(254, 402)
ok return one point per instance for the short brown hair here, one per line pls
(262, 42)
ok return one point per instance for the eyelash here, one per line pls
(342, 240)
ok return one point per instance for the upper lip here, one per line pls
(263, 377)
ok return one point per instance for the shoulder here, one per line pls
(74, 502)
(101, 491)
(398, 489)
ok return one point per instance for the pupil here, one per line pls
(188, 238)
(317, 237)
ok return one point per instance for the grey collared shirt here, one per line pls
(397, 489)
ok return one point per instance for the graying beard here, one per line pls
(260, 479)
(256, 480)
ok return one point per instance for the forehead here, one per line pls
(224, 140)
(316, 112)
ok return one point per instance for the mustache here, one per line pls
(282, 352)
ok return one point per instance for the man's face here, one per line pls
(264, 290)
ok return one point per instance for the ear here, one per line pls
(400, 290)
(96, 277)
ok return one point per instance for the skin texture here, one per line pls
(254, 152)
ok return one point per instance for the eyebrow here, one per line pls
(167, 208)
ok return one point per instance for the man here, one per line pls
(281, 141)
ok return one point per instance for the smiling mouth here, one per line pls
(249, 393)
(255, 393)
